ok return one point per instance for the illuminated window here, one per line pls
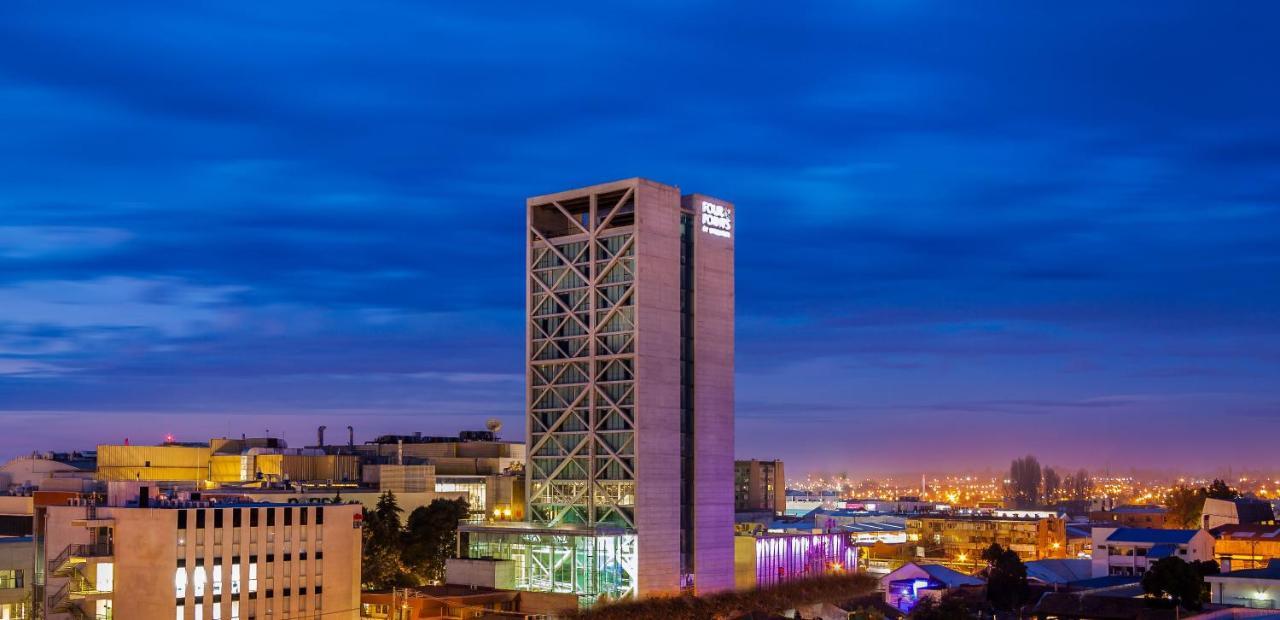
(10, 578)
(235, 610)
(235, 578)
(217, 580)
(253, 577)
(217, 612)
(104, 577)
(199, 578)
(180, 583)
(199, 612)
(182, 613)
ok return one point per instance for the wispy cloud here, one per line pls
(955, 223)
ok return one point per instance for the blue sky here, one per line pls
(966, 232)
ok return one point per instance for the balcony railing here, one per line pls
(76, 552)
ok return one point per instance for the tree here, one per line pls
(1007, 587)
(430, 538)
(1078, 486)
(1174, 578)
(1052, 484)
(1219, 489)
(950, 606)
(1183, 506)
(381, 566)
(386, 518)
(1024, 482)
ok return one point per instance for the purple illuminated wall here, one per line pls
(779, 558)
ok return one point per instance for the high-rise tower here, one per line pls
(630, 384)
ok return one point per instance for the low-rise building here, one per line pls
(799, 503)
(195, 559)
(1080, 540)
(1058, 571)
(958, 541)
(1257, 588)
(493, 497)
(883, 558)
(468, 453)
(768, 559)
(49, 471)
(869, 532)
(759, 486)
(1247, 546)
(904, 587)
(900, 506)
(225, 461)
(17, 575)
(1219, 512)
(1131, 515)
(1131, 551)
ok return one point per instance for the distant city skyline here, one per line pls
(948, 256)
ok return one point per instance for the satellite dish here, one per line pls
(494, 425)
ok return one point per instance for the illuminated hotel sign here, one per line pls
(717, 219)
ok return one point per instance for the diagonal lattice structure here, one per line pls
(581, 359)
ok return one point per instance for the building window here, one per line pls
(198, 580)
(180, 583)
(235, 578)
(10, 578)
(217, 580)
(253, 577)
(104, 575)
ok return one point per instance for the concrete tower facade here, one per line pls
(630, 359)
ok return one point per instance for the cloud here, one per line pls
(168, 306)
(1005, 212)
(28, 368)
(32, 242)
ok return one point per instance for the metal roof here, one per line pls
(1148, 535)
